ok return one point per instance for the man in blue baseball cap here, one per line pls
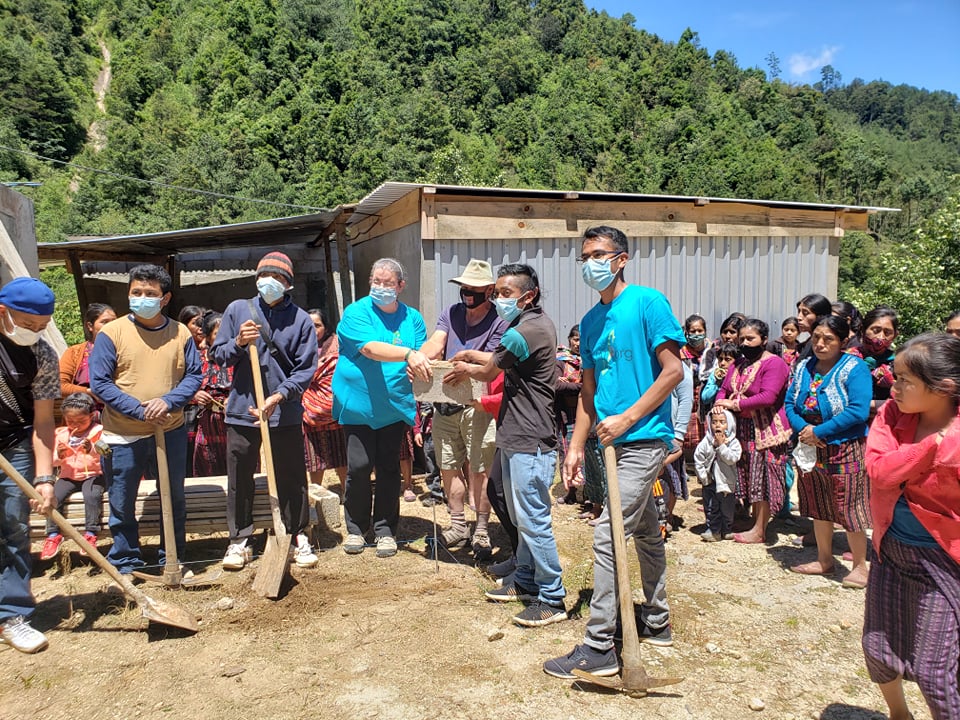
(29, 385)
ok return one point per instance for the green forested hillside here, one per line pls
(315, 102)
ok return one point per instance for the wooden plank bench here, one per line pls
(206, 508)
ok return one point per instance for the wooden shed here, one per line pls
(711, 256)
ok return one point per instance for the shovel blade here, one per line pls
(273, 567)
(165, 613)
(202, 580)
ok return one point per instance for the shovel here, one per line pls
(153, 610)
(276, 559)
(633, 679)
(172, 574)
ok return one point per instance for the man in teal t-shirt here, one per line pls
(630, 350)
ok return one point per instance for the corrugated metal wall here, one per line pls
(711, 276)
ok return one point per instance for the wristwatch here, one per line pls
(42, 479)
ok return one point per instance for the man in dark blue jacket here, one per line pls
(287, 346)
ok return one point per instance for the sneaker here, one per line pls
(386, 547)
(708, 536)
(481, 547)
(17, 633)
(51, 546)
(504, 567)
(585, 658)
(539, 613)
(455, 536)
(303, 555)
(510, 593)
(354, 544)
(90, 538)
(238, 555)
(660, 637)
(430, 501)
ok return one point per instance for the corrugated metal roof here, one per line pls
(281, 231)
(390, 192)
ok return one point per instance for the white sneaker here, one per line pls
(238, 555)
(18, 633)
(304, 555)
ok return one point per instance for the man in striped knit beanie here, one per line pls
(287, 345)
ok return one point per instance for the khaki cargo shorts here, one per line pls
(467, 435)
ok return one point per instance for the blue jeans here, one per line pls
(527, 478)
(123, 469)
(15, 561)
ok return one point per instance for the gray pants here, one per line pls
(638, 464)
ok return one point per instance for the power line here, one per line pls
(157, 183)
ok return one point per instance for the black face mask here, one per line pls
(472, 298)
(751, 353)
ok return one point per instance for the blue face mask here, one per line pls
(145, 307)
(507, 308)
(383, 296)
(597, 274)
(270, 289)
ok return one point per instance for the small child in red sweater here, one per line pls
(79, 463)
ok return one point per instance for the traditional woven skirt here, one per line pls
(837, 489)
(911, 623)
(676, 475)
(695, 429)
(761, 474)
(406, 445)
(594, 472)
(210, 448)
(324, 449)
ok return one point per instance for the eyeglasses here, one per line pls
(598, 255)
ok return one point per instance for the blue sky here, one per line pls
(901, 41)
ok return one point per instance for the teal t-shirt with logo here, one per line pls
(619, 343)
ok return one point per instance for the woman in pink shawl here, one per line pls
(754, 391)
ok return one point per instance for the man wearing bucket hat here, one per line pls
(29, 384)
(287, 344)
(463, 433)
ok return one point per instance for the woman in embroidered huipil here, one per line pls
(880, 330)
(828, 403)
(754, 390)
(210, 447)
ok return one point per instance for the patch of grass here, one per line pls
(792, 622)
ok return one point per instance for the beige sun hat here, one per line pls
(478, 273)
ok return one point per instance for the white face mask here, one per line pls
(270, 289)
(21, 336)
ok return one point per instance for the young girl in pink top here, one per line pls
(911, 626)
(79, 464)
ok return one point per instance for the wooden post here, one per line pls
(333, 307)
(75, 267)
(343, 260)
(176, 302)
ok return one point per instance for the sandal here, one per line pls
(409, 496)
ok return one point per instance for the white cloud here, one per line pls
(803, 63)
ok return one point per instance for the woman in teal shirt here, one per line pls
(373, 401)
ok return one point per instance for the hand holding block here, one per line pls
(463, 393)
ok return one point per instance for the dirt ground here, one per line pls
(405, 637)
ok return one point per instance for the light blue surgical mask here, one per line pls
(597, 274)
(507, 308)
(270, 289)
(383, 296)
(145, 307)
